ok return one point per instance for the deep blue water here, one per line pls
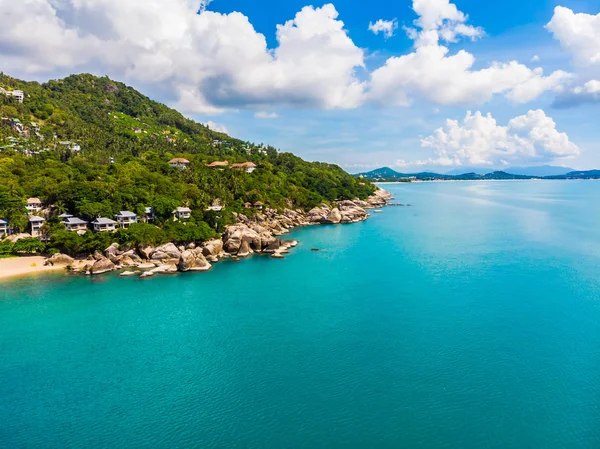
(469, 320)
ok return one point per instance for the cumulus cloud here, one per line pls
(578, 34)
(589, 92)
(217, 127)
(385, 27)
(435, 74)
(535, 58)
(266, 115)
(207, 60)
(479, 140)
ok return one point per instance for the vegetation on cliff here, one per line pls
(91, 146)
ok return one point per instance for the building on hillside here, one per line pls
(19, 95)
(219, 165)
(75, 224)
(33, 205)
(75, 147)
(216, 143)
(17, 126)
(149, 215)
(258, 205)
(102, 224)
(126, 218)
(182, 213)
(179, 163)
(3, 228)
(64, 217)
(248, 167)
(216, 206)
(248, 205)
(36, 224)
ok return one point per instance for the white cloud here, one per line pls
(217, 127)
(430, 71)
(589, 92)
(578, 34)
(479, 140)
(535, 58)
(208, 61)
(386, 27)
(266, 115)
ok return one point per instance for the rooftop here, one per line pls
(218, 164)
(36, 219)
(65, 215)
(182, 209)
(103, 220)
(33, 201)
(126, 213)
(75, 221)
(244, 164)
(179, 160)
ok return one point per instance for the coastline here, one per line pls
(23, 266)
(259, 234)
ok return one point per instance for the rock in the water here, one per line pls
(277, 255)
(146, 266)
(333, 217)
(103, 265)
(244, 249)
(193, 260)
(59, 259)
(125, 274)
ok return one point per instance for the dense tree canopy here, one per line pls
(126, 142)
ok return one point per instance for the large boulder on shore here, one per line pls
(103, 265)
(333, 217)
(237, 234)
(59, 259)
(112, 250)
(193, 260)
(165, 252)
(213, 248)
(146, 251)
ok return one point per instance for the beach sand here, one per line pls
(19, 266)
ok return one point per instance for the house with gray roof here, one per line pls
(126, 218)
(36, 224)
(182, 213)
(102, 224)
(65, 216)
(75, 224)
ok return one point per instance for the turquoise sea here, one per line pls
(469, 320)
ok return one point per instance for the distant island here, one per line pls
(386, 174)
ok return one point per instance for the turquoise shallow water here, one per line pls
(469, 320)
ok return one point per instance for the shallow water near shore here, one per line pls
(470, 319)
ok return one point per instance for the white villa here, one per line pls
(65, 216)
(125, 218)
(102, 224)
(182, 213)
(36, 225)
(75, 224)
(179, 163)
(3, 227)
(149, 215)
(33, 205)
(19, 95)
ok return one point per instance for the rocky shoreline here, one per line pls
(259, 234)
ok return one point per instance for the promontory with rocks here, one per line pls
(260, 234)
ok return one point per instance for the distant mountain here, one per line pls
(383, 172)
(542, 170)
(387, 174)
(464, 170)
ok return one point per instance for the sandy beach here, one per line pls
(19, 266)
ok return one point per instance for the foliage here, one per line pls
(126, 142)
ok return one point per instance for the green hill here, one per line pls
(91, 146)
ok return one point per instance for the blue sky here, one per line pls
(345, 94)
